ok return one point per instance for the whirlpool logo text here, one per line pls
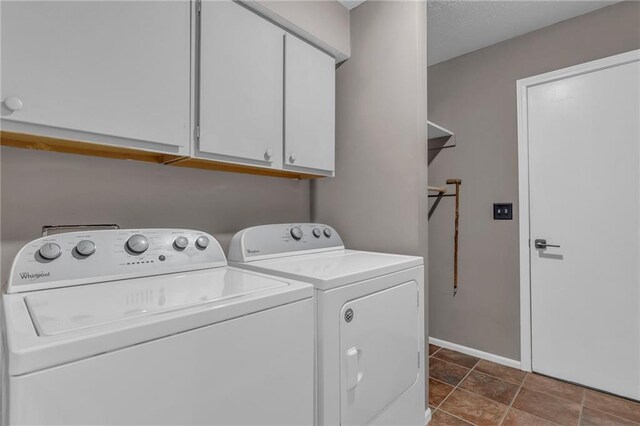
(32, 276)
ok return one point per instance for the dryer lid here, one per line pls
(336, 268)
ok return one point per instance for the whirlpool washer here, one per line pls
(151, 326)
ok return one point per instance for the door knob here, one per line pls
(14, 104)
(542, 244)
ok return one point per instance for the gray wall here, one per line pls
(377, 199)
(474, 95)
(43, 188)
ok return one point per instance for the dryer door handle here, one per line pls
(354, 375)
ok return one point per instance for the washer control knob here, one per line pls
(180, 243)
(138, 243)
(316, 232)
(202, 242)
(50, 251)
(327, 232)
(296, 233)
(86, 248)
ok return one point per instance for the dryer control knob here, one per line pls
(202, 242)
(180, 243)
(138, 243)
(296, 233)
(316, 232)
(50, 251)
(86, 248)
(327, 232)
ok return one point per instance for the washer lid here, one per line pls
(334, 268)
(68, 309)
(53, 327)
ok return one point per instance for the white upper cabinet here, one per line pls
(214, 81)
(116, 73)
(267, 98)
(241, 86)
(309, 135)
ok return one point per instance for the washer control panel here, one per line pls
(76, 258)
(268, 241)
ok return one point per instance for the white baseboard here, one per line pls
(475, 352)
(427, 416)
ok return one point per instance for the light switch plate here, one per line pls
(502, 211)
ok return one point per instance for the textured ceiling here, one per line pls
(459, 27)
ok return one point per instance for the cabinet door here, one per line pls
(240, 86)
(309, 107)
(113, 72)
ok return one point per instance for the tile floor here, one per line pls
(465, 390)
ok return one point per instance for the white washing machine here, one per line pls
(151, 326)
(369, 318)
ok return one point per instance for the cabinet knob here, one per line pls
(14, 104)
(268, 154)
(292, 158)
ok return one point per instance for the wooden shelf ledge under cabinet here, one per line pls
(44, 143)
(200, 163)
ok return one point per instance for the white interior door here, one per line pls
(584, 183)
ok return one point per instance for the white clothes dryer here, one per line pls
(369, 320)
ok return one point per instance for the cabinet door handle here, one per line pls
(268, 154)
(14, 104)
(292, 158)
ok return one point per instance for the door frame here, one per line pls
(523, 182)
